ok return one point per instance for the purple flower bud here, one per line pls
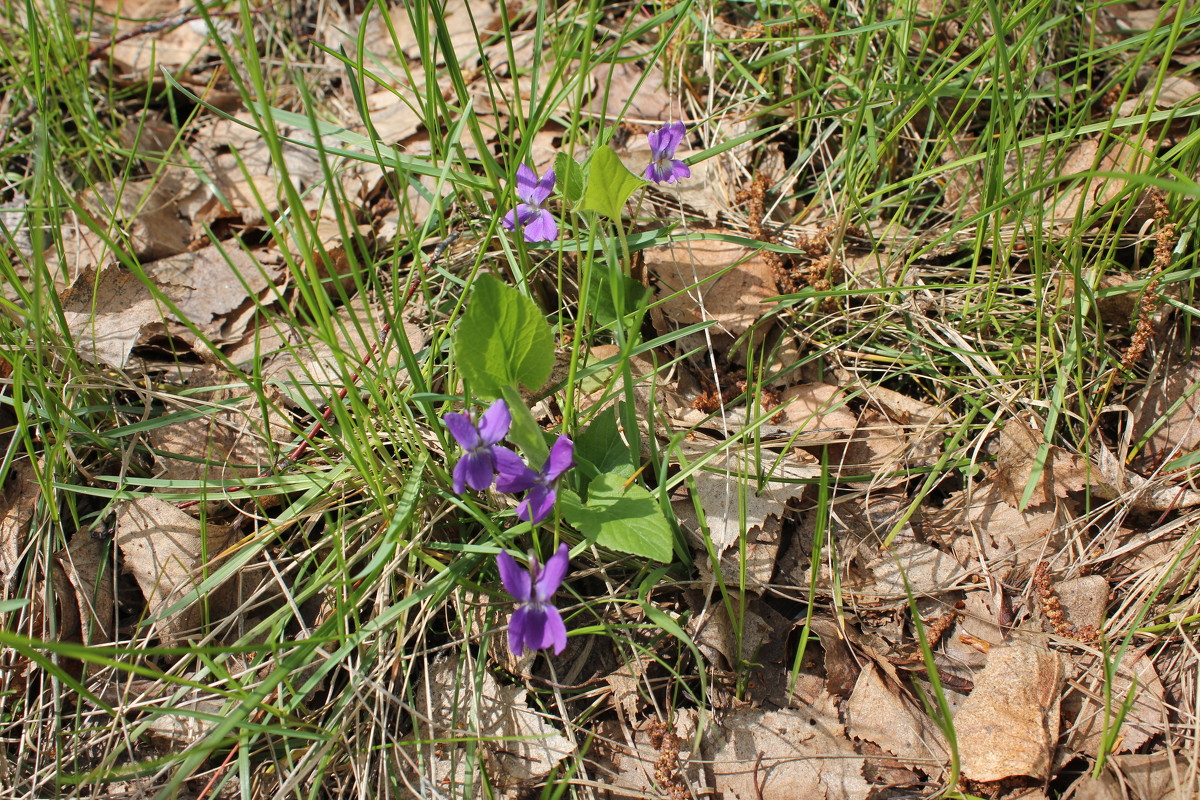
(664, 167)
(536, 624)
(536, 223)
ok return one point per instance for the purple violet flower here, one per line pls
(535, 222)
(477, 468)
(536, 624)
(542, 485)
(664, 167)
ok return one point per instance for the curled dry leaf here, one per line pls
(1115, 482)
(110, 311)
(88, 585)
(167, 551)
(1008, 726)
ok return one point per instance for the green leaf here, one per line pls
(603, 307)
(569, 175)
(620, 517)
(609, 184)
(503, 340)
(601, 444)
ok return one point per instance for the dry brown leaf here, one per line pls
(733, 503)
(110, 311)
(167, 550)
(461, 20)
(1091, 194)
(1175, 92)
(147, 210)
(90, 581)
(229, 442)
(736, 299)
(17, 504)
(522, 744)
(208, 284)
(1061, 473)
(929, 572)
(842, 669)
(1158, 776)
(617, 84)
(785, 755)
(1176, 432)
(1007, 536)
(879, 712)
(106, 312)
(817, 413)
(1008, 726)
(172, 50)
(1113, 481)
(313, 373)
(237, 157)
(1084, 704)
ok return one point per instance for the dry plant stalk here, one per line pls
(666, 767)
(1165, 240)
(1053, 610)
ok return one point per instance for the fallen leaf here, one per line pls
(90, 577)
(879, 712)
(928, 571)
(706, 279)
(628, 92)
(1170, 414)
(732, 499)
(17, 506)
(1061, 472)
(1112, 481)
(227, 442)
(1084, 704)
(167, 550)
(1008, 726)
(313, 372)
(784, 755)
(146, 210)
(522, 744)
(105, 312)
(208, 284)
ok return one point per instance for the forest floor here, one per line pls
(870, 432)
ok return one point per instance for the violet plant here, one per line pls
(504, 342)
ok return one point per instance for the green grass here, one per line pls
(935, 143)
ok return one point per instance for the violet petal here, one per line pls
(519, 629)
(516, 580)
(494, 424)
(462, 429)
(512, 475)
(552, 574)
